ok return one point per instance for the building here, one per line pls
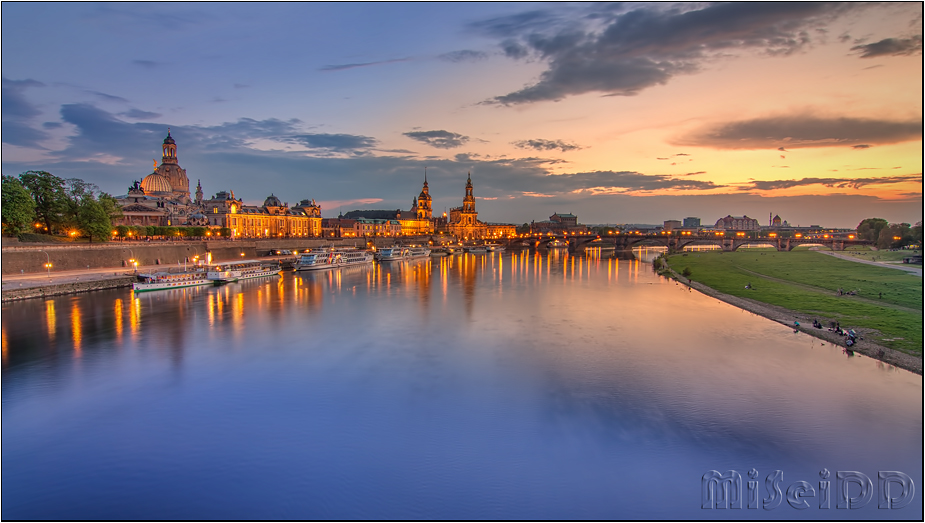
(162, 198)
(463, 222)
(691, 223)
(737, 223)
(558, 223)
(671, 225)
(275, 219)
(418, 221)
(338, 228)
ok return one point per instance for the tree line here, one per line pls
(155, 231)
(887, 235)
(40, 202)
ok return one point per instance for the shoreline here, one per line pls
(786, 317)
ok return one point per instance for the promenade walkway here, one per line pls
(891, 265)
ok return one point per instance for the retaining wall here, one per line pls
(31, 258)
(67, 288)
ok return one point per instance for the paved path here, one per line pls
(902, 267)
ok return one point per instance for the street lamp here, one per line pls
(47, 265)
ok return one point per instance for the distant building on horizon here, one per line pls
(691, 222)
(737, 223)
(671, 225)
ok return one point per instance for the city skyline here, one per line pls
(632, 113)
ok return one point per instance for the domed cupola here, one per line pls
(156, 185)
(272, 201)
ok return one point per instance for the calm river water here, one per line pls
(519, 386)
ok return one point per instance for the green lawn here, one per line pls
(881, 255)
(807, 281)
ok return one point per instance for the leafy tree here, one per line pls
(48, 193)
(917, 233)
(895, 236)
(224, 232)
(93, 220)
(871, 228)
(122, 231)
(76, 192)
(110, 206)
(18, 207)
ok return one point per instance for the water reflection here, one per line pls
(518, 386)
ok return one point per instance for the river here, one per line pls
(513, 386)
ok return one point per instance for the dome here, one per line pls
(155, 183)
(169, 139)
(272, 201)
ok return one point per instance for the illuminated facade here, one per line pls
(737, 223)
(463, 222)
(274, 219)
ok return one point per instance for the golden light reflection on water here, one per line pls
(76, 333)
(134, 316)
(50, 319)
(3, 344)
(117, 315)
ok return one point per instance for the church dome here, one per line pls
(169, 139)
(272, 201)
(156, 184)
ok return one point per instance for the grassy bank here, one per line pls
(887, 300)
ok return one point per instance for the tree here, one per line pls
(48, 193)
(871, 228)
(18, 207)
(92, 220)
(895, 236)
(110, 206)
(917, 233)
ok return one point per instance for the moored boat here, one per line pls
(557, 244)
(242, 270)
(398, 252)
(494, 247)
(477, 249)
(171, 280)
(331, 259)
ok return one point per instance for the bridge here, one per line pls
(676, 242)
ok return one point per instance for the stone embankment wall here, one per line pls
(67, 288)
(31, 258)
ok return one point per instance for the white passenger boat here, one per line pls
(397, 252)
(171, 280)
(315, 260)
(494, 247)
(242, 270)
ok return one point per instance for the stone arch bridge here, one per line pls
(626, 242)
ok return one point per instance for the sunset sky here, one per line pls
(619, 113)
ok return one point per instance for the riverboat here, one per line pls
(397, 252)
(477, 249)
(494, 247)
(171, 280)
(315, 260)
(241, 270)
(557, 244)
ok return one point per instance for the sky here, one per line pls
(618, 113)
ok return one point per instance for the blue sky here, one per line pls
(615, 112)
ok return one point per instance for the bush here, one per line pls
(686, 272)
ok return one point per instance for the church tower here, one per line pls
(171, 170)
(198, 191)
(424, 211)
(469, 216)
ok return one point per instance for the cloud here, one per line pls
(891, 47)
(440, 139)
(540, 144)
(861, 146)
(18, 112)
(623, 53)
(147, 64)
(108, 97)
(782, 149)
(776, 132)
(138, 114)
(344, 67)
(838, 183)
(465, 55)
(52, 125)
(334, 142)
(18, 133)
(13, 100)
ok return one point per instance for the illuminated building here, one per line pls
(463, 221)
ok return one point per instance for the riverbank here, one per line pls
(29, 290)
(877, 325)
